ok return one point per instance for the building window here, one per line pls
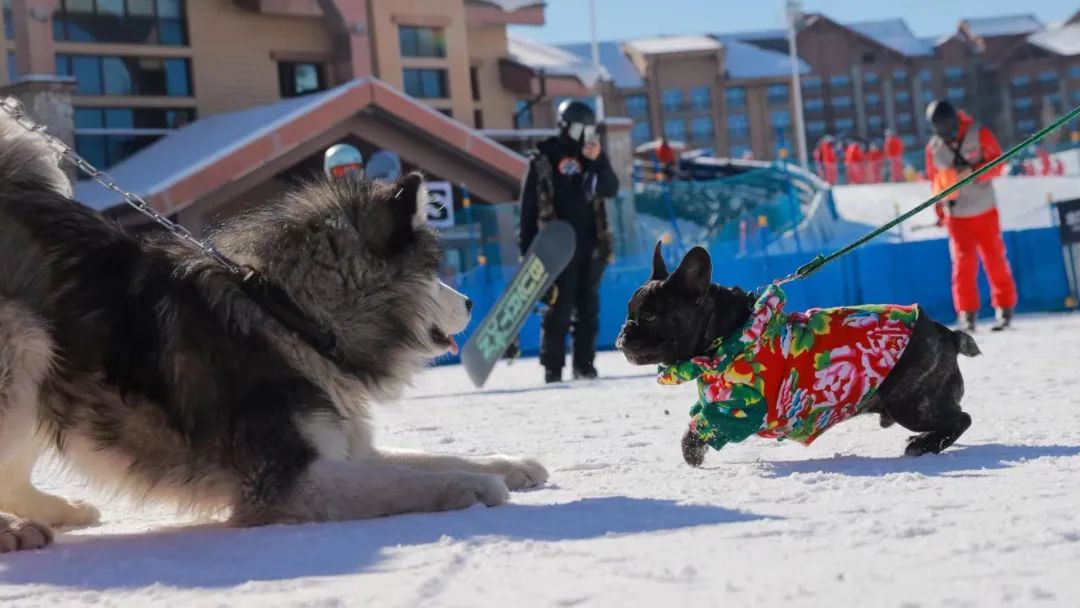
(1021, 81)
(9, 26)
(845, 124)
(841, 102)
(1076, 96)
(903, 119)
(900, 75)
(777, 93)
(426, 83)
(955, 94)
(701, 128)
(12, 67)
(954, 73)
(105, 75)
(925, 75)
(839, 80)
(868, 58)
(874, 123)
(637, 106)
(927, 96)
(903, 97)
(1074, 71)
(870, 78)
(811, 83)
(478, 119)
(115, 21)
(909, 140)
(106, 136)
(1026, 126)
(700, 98)
(523, 118)
(671, 100)
(814, 105)
(873, 100)
(780, 119)
(740, 151)
(815, 127)
(474, 82)
(296, 79)
(422, 41)
(1023, 103)
(675, 128)
(641, 133)
(1053, 101)
(738, 126)
(1048, 77)
(736, 97)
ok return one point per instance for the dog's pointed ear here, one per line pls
(659, 268)
(694, 273)
(408, 208)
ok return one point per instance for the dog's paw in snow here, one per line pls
(467, 489)
(19, 534)
(519, 473)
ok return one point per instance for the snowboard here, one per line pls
(547, 256)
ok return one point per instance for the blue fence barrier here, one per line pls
(905, 273)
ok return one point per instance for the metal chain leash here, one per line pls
(13, 108)
(821, 260)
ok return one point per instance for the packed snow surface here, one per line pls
(994, 521)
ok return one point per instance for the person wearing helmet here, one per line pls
(569, 177)
(341, 160)
(958, 147)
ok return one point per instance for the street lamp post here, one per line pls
(794, 15)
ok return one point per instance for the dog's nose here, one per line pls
(468, 304)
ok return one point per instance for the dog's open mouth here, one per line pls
(440, 338)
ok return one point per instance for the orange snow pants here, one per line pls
(971, 238)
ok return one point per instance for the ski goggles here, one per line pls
(346, 169)
(581, 132)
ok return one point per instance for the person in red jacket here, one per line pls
(825, 157)
(1044, 160)
(894, 153)
(853, 162)
(874, 160)
(958, 147)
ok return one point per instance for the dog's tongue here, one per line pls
(453, 346)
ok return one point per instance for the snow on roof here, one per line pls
(198, 145)
(554, 60)
(511, 5)
(1003, 26)
(744, 60)
(622, 71)
(660, 45)
(1062, 41)
(895, 34)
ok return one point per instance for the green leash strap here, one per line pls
(821, 260)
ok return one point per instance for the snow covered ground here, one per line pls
(994, 521)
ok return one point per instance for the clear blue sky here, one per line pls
(568, 20)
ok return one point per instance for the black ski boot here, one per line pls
(585, 372)
(552, 376)
(1003, 318)
(967, 321)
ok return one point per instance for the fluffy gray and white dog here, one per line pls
(151, 372)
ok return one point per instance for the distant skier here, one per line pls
(959, 147)
(342, 160)
(894, 153)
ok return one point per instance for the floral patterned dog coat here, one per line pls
(792, 376)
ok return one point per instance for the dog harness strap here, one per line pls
(793, 376)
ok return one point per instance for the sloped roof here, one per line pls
(210, 152)
(744, 60)
(1062, 41)
(554, 60)
(895, 34)
(660, 45)
(623, 72)
(510, 5)
(1007, 25)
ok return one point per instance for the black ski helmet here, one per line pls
(577, 122)
(943, 119)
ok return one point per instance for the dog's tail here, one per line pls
(965, 344)
(27, 161)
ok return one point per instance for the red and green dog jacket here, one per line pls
(793, 376)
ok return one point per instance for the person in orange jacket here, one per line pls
(853, 162)
(958, 147)
(825, 157)
(874, 160)
(894, 153)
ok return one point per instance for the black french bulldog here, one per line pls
(675, 317)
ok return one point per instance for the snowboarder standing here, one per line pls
(569, 178)
(959, 147)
